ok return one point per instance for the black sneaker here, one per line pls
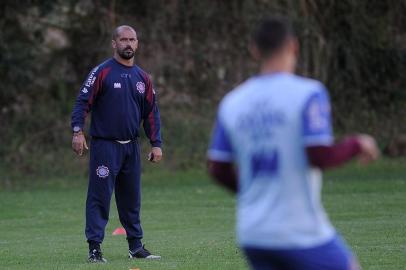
(142, 253)
(96, 256)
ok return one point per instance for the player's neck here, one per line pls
(125, 62)
(276, 65)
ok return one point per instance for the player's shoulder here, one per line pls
(101, 66)
(236, 99)
(243, 91)
(306, 89)
(144, 74)
(307, 83)
(235, 94)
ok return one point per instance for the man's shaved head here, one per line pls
(119, 29)
(124, 42)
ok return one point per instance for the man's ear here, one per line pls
(293, 46)
(136, 44)
(253, 49)
(113, 44)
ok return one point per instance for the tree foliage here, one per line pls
(196, 51)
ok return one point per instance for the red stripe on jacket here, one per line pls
(98, 86)
(150, 99)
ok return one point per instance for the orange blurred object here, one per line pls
(119, 231)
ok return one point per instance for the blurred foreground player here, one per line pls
(120, 96)
(276, 128)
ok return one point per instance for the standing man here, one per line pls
(276, 128)
(120, 96)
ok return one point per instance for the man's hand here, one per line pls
(369, 149)
(79, 143)
(155, 155)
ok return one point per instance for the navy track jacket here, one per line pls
(120, 98)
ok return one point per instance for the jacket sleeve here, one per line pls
(151, 116)
(86, 96)
(325, 157)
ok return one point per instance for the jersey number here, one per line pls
(265, 163)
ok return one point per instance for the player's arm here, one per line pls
(318, 137)
(220, 159)
(363, 146)
(325, 157)
(81, 108)
(224, 174)
(152, 121)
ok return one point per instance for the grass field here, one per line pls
(190, 221)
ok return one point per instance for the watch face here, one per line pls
(76, 129)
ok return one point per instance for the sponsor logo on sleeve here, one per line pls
(317, 120)
(84, 90)
(92, 78)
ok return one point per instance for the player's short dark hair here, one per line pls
(271, 34)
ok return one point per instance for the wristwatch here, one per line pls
(76, 129)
